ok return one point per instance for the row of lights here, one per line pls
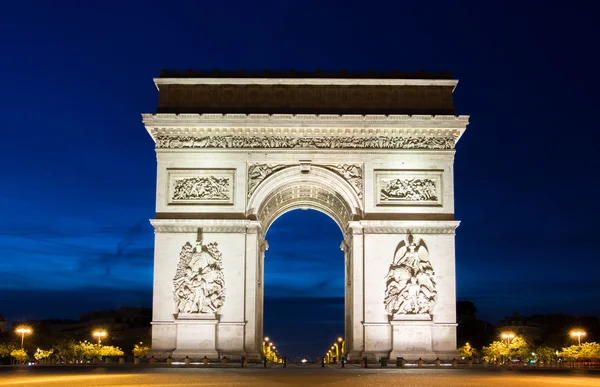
(26, 330)
(270, 351)
(337, 351)
(508, 336)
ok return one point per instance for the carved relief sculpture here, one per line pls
(287, 142)
(258, 172)
(409, 190)
(201, 188)
(352, 173)
(410, 282)
(199, 286)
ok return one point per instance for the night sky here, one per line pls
(78, 168)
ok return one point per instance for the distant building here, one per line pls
(3, 324)
(520, 325)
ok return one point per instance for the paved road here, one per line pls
(113, 376)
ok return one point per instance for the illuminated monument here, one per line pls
(375, 152)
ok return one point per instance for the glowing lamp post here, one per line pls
(508, 337)
(340, 347)
(99, 335)
(23, 331)
(578, 334)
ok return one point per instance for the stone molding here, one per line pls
(274, 124)
(206, 226)
(403, 227)
(305, 81)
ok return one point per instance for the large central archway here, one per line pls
(304, 284)
(375, 154)
(307, 186)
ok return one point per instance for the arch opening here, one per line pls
(331, 197)
(304, 292)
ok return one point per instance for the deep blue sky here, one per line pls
(78, 169)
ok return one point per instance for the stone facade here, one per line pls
(225, 176)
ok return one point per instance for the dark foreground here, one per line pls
(348, 377)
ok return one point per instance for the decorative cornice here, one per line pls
(190, 120)
(404, 227)
(253, 130)
(206, 226)
(306, 81)
(293, 74)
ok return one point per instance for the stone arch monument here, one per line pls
(373, 151)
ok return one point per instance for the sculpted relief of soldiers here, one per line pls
(410, 282)
(199, 283)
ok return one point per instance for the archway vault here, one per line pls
(305, 186)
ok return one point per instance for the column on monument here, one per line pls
(164, 331)
(355, 342)
(379, 246)
(444, 317)
(253, 292)
(232, 320)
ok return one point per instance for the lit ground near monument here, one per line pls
(106, 376)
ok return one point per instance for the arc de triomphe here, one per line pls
(373, 151)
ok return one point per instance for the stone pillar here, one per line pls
(254, 292)
(356, 342)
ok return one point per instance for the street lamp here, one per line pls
(508, 336)
(99, 335)
(22, 331)
(578, 334)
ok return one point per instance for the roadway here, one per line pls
(94, 376)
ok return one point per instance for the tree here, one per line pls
(545, 354)
(140, 351)
(20, 355)
(108, 350)
(499, 350)
(496, 351)
(467, 351)
(584, 351)
(4, 350)
(519, 349)
(40, 354)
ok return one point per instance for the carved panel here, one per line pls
(404, 187)
(258, 172)
(201, 186)
(199, 284)
(410, 282)
(352, 173)
(287, 142)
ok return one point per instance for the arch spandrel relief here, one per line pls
(410, 282)
(199, 284)
(352, 173)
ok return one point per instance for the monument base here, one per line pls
(412, 338)
(196, 337)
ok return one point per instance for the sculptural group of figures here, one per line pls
(410, 283)
(209, 187)
(199, 282)
(446, 142)
(409, 190)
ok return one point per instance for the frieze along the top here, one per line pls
(321, 142)
(317, 74)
